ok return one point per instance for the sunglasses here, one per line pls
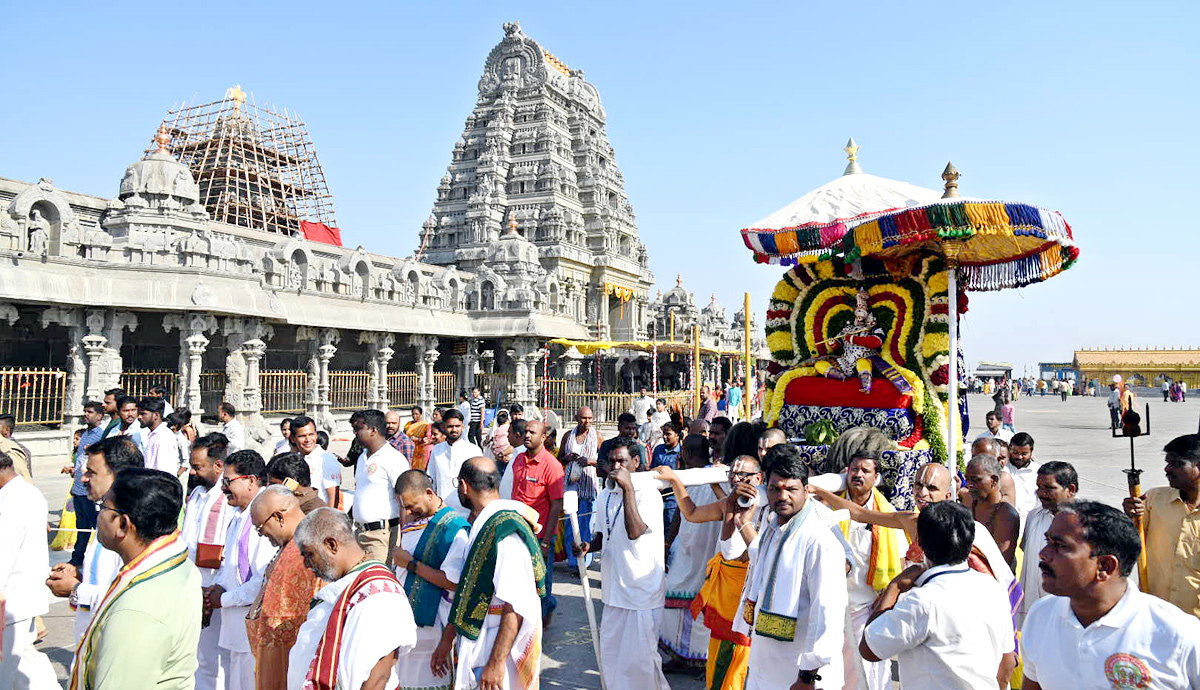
(273, 516)
(226, 481)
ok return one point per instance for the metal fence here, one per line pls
(403, 388)
(33, 396)
(491, 384)
(139, 383)
(348, 389)
(283, 392)
(566, 396)
(445, 388)
(212, 390)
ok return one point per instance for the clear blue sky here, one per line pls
(719, 113)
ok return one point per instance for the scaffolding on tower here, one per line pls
(256, 167)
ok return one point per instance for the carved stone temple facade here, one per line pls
(532, 238)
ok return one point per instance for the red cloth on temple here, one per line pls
(823, 392)
(320, 232)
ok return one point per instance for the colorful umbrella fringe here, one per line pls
(1015, 244)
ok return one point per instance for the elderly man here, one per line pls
(579, 454)
(288, 587)
(359, 623)
(88, 582)
(145, 629)
(433, 546)
(952, 629)
(999, 517)
(998, 449)
(1098, 630)
(794, 602)
(24, 560)
(633, 573)
(496, 614)
(376, 510)
(240, 577)
(448, 457)
(1173, 527)
(1057, 484)
(205, 521)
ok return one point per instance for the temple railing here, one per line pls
(283, 392)
(33, 396)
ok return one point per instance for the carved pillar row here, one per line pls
(252, 351)
(196, 345)
(112, 324)
(525, 355)
(466, 363)
(322, 347)
(85, 365)
(379, 353)
(93, 348)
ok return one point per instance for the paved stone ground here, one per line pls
(1075, 430)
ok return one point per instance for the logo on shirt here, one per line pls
(1126, 672)
(372, 468)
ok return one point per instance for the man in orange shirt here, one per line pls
(537, 478)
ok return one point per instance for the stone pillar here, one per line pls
(196, 346)
(379, 353)
(525, 355)
(115, 323)
(192, 328)
(321, 349)
(83, 374)
(427, 357)
(465, 363)
(487, 361)
(93, 347)
(252, 351)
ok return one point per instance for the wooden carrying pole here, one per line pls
(747, 370)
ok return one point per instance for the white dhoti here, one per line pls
(860, 673)
(241, 671)
(685, 638)
(23, 667)
(413, 666)
(628, 649)
(212, 661)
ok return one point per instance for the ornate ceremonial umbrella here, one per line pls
(989, 245)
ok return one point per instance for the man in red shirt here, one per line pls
(537, 482)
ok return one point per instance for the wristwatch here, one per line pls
(74, 599)
(808, 677)
(411, 567)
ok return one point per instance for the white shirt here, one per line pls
(162, 450)
(633, 574)
(195, 516)
(506, 480)
(236, 434)
(375, 478)
(324, 470)
(137, 432)
(99, 569)
(1003, 434)
(445, 460)
(24, 555)
(238, 595)
(378, 623)
(640, 407)
(1142, 638)
(949, 631)
(284, 446)
(1025, 482)
(465, 408)
(1031, 576)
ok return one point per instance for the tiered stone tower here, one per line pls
(534, 158)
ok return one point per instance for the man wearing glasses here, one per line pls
(240, 578)
(719, 596)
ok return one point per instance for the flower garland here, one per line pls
(773, 406)
(623, 294)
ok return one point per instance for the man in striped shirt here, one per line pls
(475, 430)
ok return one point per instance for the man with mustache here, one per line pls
(1000, 518)
(1057, 483)
(359, 623)
(1098, 630)
(1173, 527)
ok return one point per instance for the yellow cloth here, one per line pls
(66, 521)
(886, 555)
(1172, 549)
(726, 666)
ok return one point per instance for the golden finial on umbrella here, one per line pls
(851, 150)
(951, 175)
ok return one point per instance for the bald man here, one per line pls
(771, 437)
(396, 436)
(987, 445)
(288, 587)
(579, 454)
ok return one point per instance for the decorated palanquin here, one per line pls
(907, 395)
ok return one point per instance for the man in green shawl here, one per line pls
(497, 613)
(433, 545)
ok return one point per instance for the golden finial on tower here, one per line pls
(678, 280)
(512, 225)
(161, 138)
(235, 94)
(851, 150)
(951, 175)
